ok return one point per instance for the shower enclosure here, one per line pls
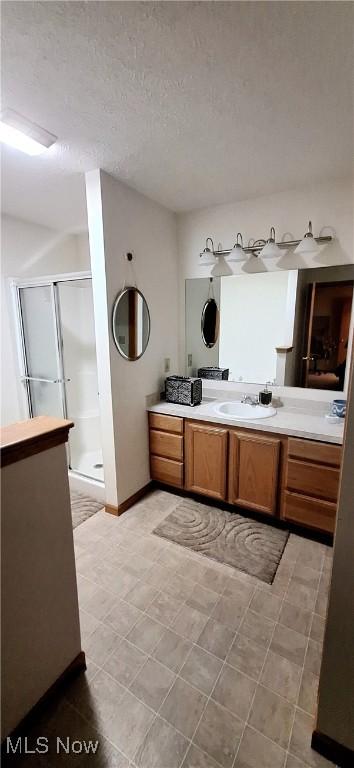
(58, 361)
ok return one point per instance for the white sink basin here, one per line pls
(237, 410)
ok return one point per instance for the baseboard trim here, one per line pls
(117, 511)
(332, 750)
(77, 665)
(111, 510)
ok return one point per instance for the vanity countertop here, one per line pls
(288, 421)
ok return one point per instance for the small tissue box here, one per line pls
(183, 390)
(213, 372)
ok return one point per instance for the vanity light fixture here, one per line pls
(264, 248)
(271, 250)
(308, 243)
(216, 259)
(22, 134)
(237, 253)
(207, 255)
(221, 268)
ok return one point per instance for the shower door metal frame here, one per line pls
(52, 283)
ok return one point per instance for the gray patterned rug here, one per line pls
(83, 507)
(227, 537)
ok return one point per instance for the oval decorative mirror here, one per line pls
(210, 323)
(131, 323)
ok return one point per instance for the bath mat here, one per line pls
(227, 537)
(83, 507)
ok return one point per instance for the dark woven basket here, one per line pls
(213, 372)
(183, 390)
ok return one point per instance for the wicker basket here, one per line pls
(183, 390)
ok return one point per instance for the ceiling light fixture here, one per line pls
(308, 243)
(237, 253)
(22, 134)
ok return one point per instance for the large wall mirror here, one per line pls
(292, 327)
(131, 323)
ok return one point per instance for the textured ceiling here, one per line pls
(193, 104)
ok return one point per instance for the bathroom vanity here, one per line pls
(277, 466)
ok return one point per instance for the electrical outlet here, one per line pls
(190, 360)
(167, 364)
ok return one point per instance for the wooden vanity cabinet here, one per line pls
(254, 462)
(206, 459)
(291, 478)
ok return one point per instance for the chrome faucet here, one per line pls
(249, 400)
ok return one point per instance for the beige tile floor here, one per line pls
(191, 664)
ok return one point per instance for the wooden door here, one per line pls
(254, 471)
(206, 459)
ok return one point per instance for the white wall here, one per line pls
(121, 220)
(329, 206)
(28, 250)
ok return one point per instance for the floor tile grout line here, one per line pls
(207, 617)
(123, 595)
(172, 628)
(260, 678)
(176, 676)
(303, 667)
(156, 713)
(216, 682)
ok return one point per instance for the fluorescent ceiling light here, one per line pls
(20, 133)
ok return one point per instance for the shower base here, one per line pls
(90, 464)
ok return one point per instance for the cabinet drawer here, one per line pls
(309, 450)
(166, 423)
(312, 479)
(166, 471)
(167, 445)
(314, 513)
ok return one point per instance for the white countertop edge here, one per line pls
(286, 422)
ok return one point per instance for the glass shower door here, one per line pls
(43, 374)
(75, 300)
(59, 352)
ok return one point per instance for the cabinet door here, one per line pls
(206, 459)
(254, 471)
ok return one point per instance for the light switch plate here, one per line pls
(167, 364)
(190, 360)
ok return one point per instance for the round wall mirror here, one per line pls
(131, 323)
(210, 323)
